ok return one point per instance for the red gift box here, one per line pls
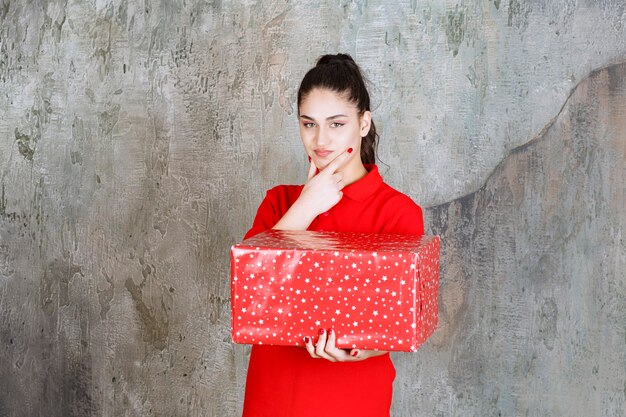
(377, 291)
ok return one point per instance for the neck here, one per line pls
(354, 172)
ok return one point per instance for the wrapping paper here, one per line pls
(377, 291)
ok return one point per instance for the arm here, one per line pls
(298, 217)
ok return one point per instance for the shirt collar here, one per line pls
(366, 186)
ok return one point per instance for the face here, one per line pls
(330, 124)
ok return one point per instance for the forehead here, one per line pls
(322, 102)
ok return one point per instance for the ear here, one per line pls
(365, 122)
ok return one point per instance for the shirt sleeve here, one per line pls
(407, 219)
(266, 216)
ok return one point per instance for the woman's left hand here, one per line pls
(325, 348)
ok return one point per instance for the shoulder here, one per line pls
(397, 200)
(285, 189)
(274, 205)
(284, 192)
(281, 197)
(403, 214)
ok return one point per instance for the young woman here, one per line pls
(343, 192)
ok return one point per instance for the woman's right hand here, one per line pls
(320, 192)
(323, 191)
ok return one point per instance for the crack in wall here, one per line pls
(540, 135)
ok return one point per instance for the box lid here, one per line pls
(331, 240)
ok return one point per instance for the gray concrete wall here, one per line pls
(137, 140)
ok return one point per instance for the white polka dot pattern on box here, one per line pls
(377, 291)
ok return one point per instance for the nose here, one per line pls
(322, 137)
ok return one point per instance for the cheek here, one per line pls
(305, 137)
(355, 136)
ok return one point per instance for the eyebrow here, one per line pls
(304, 116)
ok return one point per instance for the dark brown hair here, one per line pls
(339, 73)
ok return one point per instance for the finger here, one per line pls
(357, 354)
(337, 162)
(331, 348)
(308, 345)
(320, 346)
(312, 169)
(321, 342)
(338, 176)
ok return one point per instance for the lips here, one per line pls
(322, 152)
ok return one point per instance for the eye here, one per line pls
(308, 124)
(337, 124)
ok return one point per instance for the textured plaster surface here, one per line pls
(138, 138)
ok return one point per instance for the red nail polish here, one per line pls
(349, 150)
(356, 352)
(321, 332)
(330, 331)
(309, 159)
(306, 339)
